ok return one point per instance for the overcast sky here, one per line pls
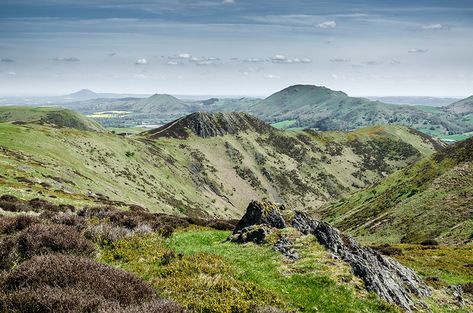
(236, 47)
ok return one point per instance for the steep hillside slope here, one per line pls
(325, 109)
(432, 199)
(48, 115)
(202, 176)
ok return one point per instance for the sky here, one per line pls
(236, 47)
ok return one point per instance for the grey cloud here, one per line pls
(68, 59)
(418, 51)
(373, 62)
(339, 60)
(7, 60)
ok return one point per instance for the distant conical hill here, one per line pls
(204, 124)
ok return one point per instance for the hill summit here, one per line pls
(204, 124)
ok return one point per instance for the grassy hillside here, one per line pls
(325, 109)
(201, 176)
(48, 115)
(431, 199)
(464, 106)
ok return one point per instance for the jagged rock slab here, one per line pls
(391, 280)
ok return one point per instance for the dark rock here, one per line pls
(286, 247)
(457, 293)
(261, 213)
(391, 280)
(255, 233)
(429, 242)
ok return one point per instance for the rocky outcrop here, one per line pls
(391, 280)
(258, 213)
(206, 125)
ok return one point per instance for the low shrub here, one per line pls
(104, 234)
(98, 212)
(13, 224)
(387, 249)
(468, 288)
(70, 220)
(68, 273)
(51, 238)
(156, 306)
(8, 252)
(429, 242)
(13, 204)
(47, 299)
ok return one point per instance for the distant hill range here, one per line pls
(416, 100)
(325, 109)
(299, 106)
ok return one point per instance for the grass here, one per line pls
(445, 262)
(212, 275)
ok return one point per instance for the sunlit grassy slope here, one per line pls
(196, 176)
(429, 200)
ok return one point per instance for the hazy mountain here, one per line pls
(416, 100)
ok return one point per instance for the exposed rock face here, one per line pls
(391, 280)
(206, 125)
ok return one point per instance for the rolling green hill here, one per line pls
(48, 115)
(324, 109)
(217, 175)
(431, 199)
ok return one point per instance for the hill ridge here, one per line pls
(206, 124)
